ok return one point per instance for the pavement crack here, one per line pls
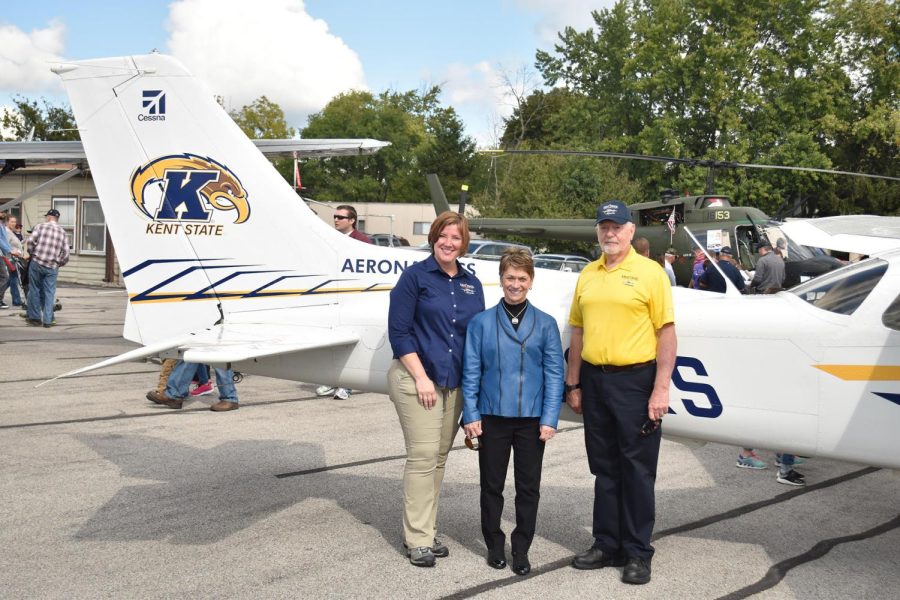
(779, 570)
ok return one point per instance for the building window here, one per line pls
(361, 224)
(83, 220)
(421, 227)
(93, 227)
(66, 208)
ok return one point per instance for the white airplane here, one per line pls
(223, 264)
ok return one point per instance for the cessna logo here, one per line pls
(154, 102)
(183, 193)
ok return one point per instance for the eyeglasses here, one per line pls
(341, 217)
(650, 426)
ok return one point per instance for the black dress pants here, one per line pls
(621, 460)
(499, 436)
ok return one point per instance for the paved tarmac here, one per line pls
(105, 495)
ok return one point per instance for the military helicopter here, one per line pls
(712, 219)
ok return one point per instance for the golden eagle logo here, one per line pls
(186, 187)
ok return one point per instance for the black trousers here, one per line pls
(499, 436)
(622, 462)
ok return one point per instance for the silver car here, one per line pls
(561, 262)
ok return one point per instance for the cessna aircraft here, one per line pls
(223, 264)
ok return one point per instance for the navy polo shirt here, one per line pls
(429, 314)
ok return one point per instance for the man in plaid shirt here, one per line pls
(49, 249)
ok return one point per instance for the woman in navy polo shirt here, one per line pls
(431, 306)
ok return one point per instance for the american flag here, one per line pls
(297, 184)
(670, 223)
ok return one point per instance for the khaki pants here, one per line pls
(429, 436)
(164, 372)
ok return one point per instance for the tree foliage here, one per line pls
(49, 122)
(425, 138)
(797, 83)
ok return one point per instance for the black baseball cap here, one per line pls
(52, 213)
(615, 211)
(726, 250)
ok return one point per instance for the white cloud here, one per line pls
(268, 47)
(556, 15)
(24, 58)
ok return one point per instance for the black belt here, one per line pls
(620, 368)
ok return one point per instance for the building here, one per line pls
(92, 257)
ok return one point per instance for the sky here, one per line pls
(299, 53)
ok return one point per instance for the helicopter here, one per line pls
(713, 219)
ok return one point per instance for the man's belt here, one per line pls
(620, 368)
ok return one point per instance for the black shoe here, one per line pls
(595, 558)
(637, 571)
(521, 566)
(35, 322)
(496, 560)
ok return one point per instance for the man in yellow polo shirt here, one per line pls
(621, 358)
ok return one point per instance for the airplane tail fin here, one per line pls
(202, 224)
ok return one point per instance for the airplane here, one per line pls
(712, 218)
(224, 265)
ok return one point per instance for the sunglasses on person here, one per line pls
(650, 426)
(341, 217)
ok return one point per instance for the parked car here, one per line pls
(491, 249)
(386, 239)
(561, 262)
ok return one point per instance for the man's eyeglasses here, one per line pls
(340, 217)
(650, 426)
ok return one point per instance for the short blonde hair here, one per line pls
(517, 258)
(444, 220)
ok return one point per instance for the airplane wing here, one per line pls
(863, 234)
(74, 150)
(229, 343)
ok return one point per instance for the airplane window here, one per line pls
(891, 317)
(845, 290)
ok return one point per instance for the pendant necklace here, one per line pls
(514, 319)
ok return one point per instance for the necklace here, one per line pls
(514, 319)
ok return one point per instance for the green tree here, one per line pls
(796, 82)
(49, 122)
(424, 137)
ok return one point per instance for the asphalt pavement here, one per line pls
(106, 495)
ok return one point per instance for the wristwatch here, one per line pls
(573, 387)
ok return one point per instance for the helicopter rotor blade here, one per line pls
(693, 162)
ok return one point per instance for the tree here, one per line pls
(49, 122)
(797, 82)
(424, 137)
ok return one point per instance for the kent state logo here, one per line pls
(183, 192)
(154, 101)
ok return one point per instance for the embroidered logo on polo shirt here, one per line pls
(629, 280)
(467, 288)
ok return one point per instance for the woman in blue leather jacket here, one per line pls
(512, 390)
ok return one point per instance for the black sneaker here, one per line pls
(3, 305)
(792, 477)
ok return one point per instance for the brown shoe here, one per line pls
(161, 398)
(223, 405)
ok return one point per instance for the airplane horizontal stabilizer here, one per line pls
(222, 344)
(231, 343)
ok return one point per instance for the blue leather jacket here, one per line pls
(509, 373)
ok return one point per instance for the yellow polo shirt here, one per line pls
(620, 310)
